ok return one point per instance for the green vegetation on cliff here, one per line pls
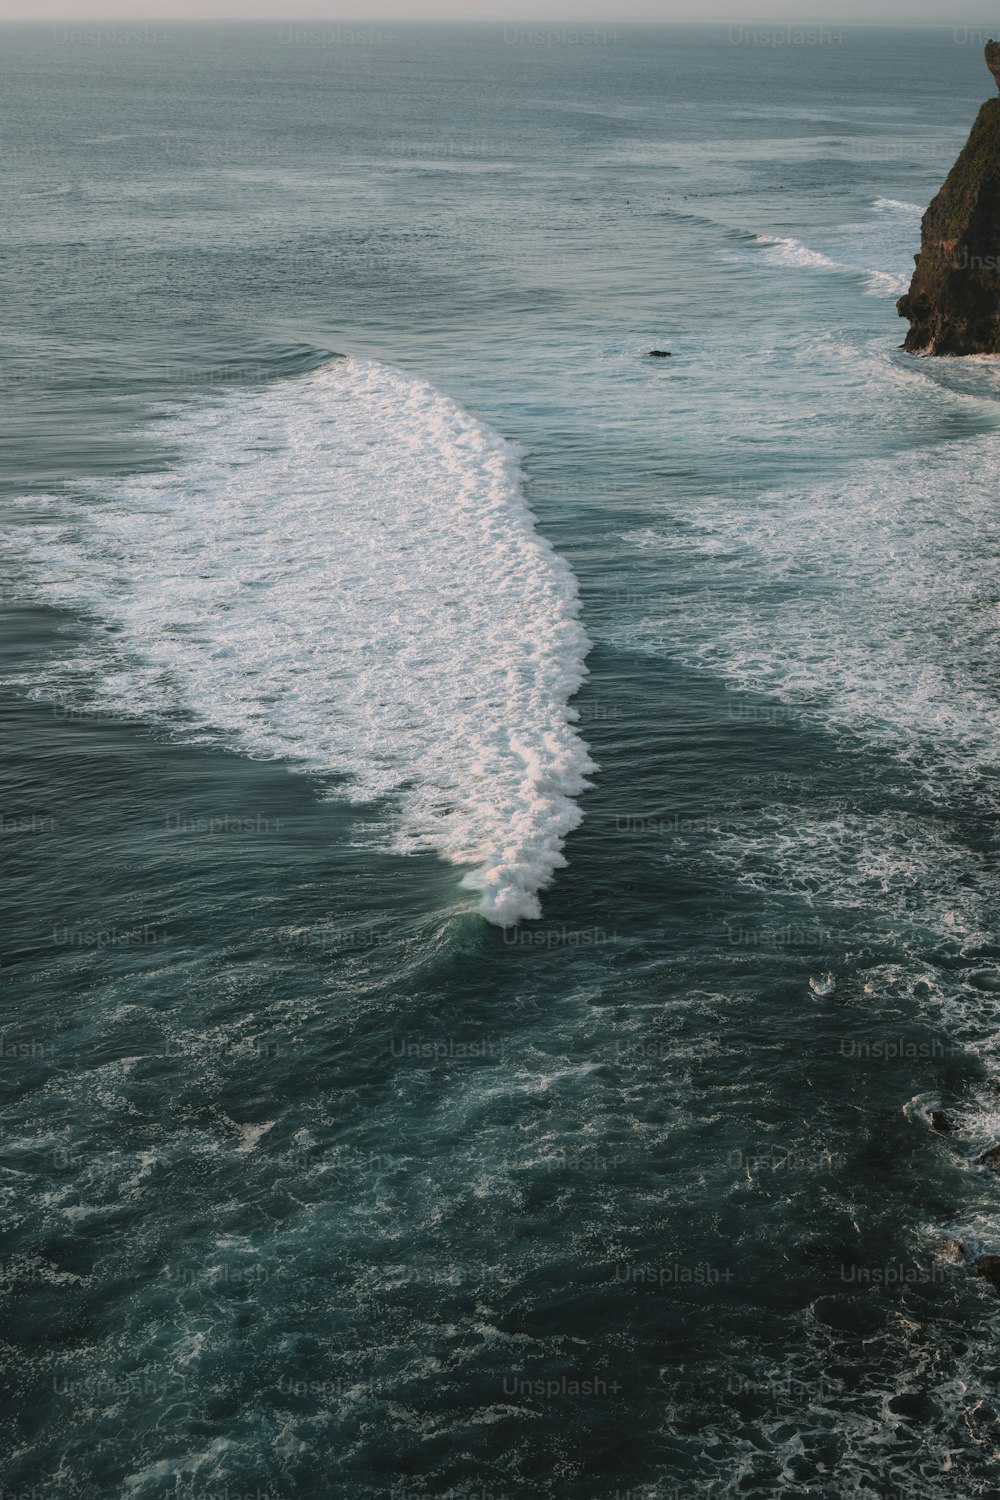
(953, 304)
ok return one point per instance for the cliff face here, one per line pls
(953, 304)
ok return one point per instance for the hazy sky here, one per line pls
(977, 14)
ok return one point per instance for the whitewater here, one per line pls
(341, 571)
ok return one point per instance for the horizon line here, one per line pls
(536, 22)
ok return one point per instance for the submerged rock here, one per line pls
(988, 1267)
(990, 1158)
(926, 1110)
(953, 304)
(660, 354)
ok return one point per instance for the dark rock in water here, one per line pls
(990, 1158)
(953, 304)
(988, 1266)
(952, 1250)
(659, 354)
(925, 1110)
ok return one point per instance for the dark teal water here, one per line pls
(316, 1182)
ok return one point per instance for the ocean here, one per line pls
(501, 830)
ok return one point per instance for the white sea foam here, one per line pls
(885, 246)
(881, 247)
(888, 283)
(790, 252)
(342, 571)
(897, 205)
(868, 603)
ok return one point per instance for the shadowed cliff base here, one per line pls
(953, 304)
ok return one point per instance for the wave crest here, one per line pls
(342, 571)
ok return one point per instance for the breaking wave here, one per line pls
(341, 571)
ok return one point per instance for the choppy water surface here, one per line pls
(501, 829)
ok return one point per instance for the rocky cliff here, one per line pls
(953, 304)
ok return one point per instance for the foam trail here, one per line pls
(897, 205)
(868, 603)
(785, 251)
(343, 571)
(880, 247)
